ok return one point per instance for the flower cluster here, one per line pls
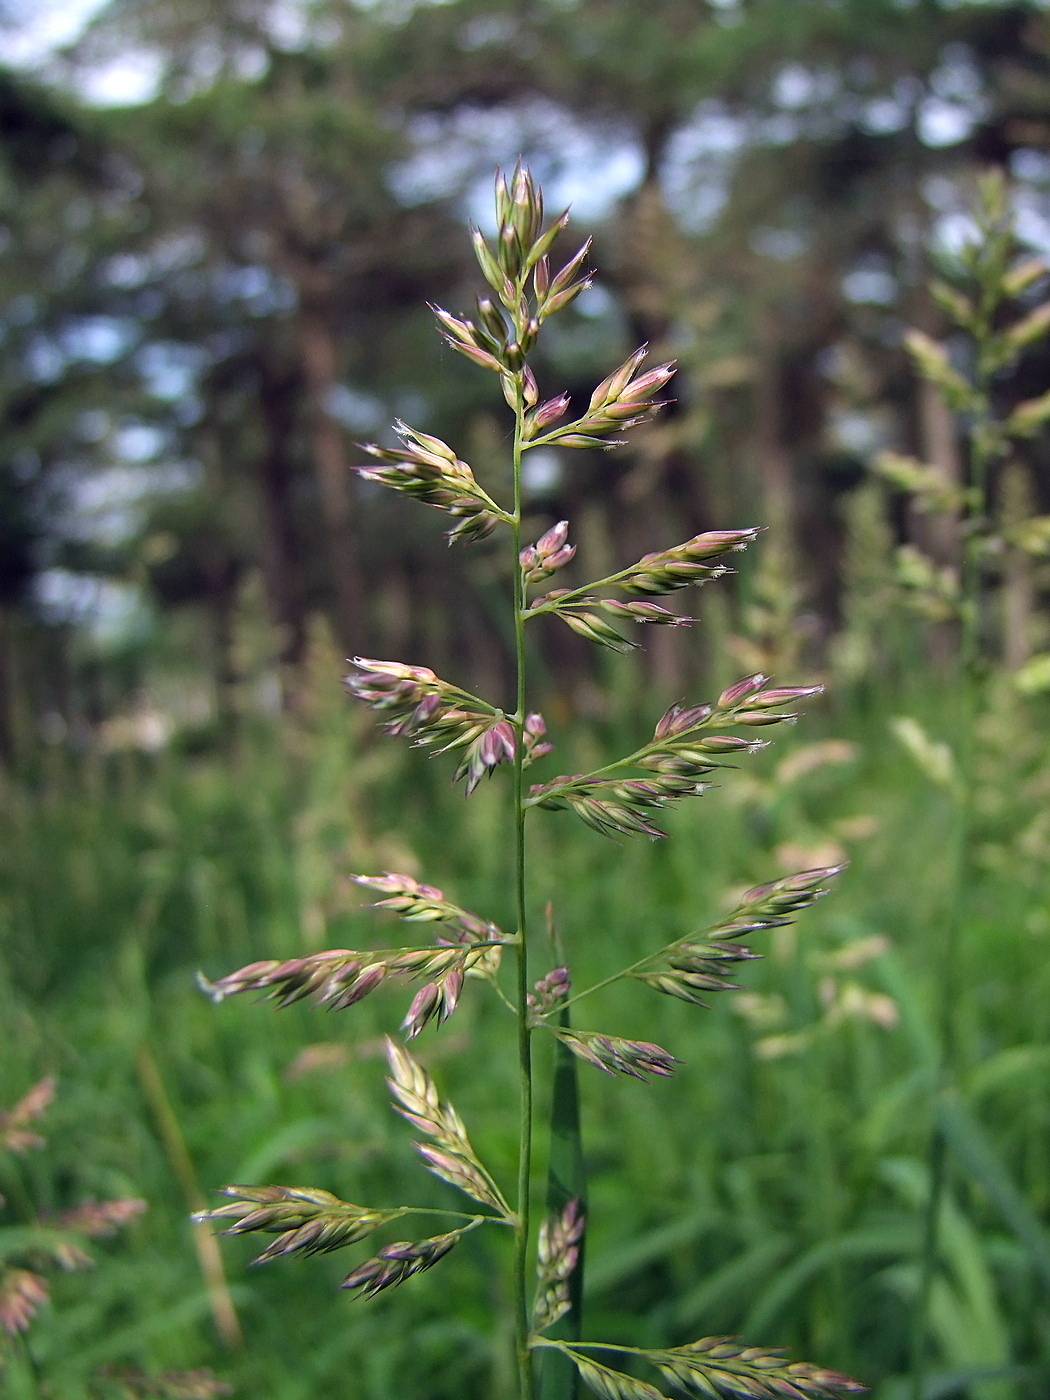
(557, 1250)
(614, 806)
(680, 756)
(696, 965)
(22, 1294)
(622, 401)
(655, 574)
(341, 977)
(775, 904)
(502, 334)
(305, 1219)
(98, 1219)
(550, 991)
(397, 1262)
(736, 1369)
(712, 1367)
(691, 969)
(451, 1158)
(550, 552)
(16, 1135)
(426, 468)
(418, 903)
(579, 615)
(430, 711)
(668, 569)
(636, 1058)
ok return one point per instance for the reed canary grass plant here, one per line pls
(628, 797)
(992, 295)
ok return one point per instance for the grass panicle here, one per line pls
(630, 796)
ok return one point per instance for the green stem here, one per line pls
(224, 1313)
(723, 719)
(456, 1214)
(570, 1347)
(521, 1282)
(32, 1368)
(580, 595)
(969, 711)
(626, 971)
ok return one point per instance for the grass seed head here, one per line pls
(16, 1135)
(22, 1294)
(398, 1262)
(635, 1058)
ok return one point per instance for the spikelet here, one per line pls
(22, 1294)
(636, 1058)
(557, 1250)
(451, 1157)
(398, 1262)
(304, 1219)
(15, 1133)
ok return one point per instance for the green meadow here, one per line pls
(772, 1189)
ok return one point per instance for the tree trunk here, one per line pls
(776, 477)
(280, 546)
(318, 350)
(7, 696)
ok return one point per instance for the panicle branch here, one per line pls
(305, 1219)
(16, 1135)
(751, 1373)
(634, 1058)
(622, 401)
(680, 756)
(341, 977)
(22, 1294)
(710, 1367)
(505, 330)
(655, 574)
(425, 467)
(696, 965)
(452, 1158)
(418, 903)
(98, 1219)
(398, 1262)
(615, 806)
(430, 711)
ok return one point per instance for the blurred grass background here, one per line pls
(772, 1188)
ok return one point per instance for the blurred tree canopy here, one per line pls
(208, 296)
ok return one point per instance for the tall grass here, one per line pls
(792, 1217)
